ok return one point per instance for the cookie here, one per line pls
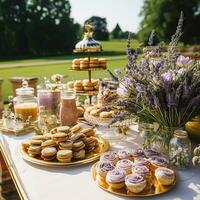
(70, 84)
(36, 142)
(88, 132)
(88, 88)
(34, 150)
(78, 83)
(48, 153)
(95, 112)
(60, 137)
(47, 136)
(79, 88)
(26, 144)
(48, 143)
(65, 145)
(79, 155)
(77, 137)
(64, 156)
(77, 146)
(106, 114)
(63, 129)
(75, 128)
(76, 61)
(38, 137)
(80, 111)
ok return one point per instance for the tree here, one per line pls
(116, 32)
(100, 27)
(162, 16)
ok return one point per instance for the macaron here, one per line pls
(36, 142)
(75, 128)
(34, 150)
(77, 137)
(88, 132)
(48, 153)
(48, 143)
(64, 156)
(65, 145)
(79, 155)
(77, 146)
(60, 137)
(63, 129)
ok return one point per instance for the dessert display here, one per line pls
(64, 146)
(133, 173)
(85, 63)
(83, 85)
(88, 45)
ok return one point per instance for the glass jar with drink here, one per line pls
(25, 103)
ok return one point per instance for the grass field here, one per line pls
(111, 48)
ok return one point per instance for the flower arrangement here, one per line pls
(163, 86)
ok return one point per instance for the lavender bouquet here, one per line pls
(163, 86)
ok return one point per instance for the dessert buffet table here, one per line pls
(44, 183)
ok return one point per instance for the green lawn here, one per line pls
(48, 70)
(111, 48)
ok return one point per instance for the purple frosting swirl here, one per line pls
(104, 167)
(123, 154)
(158, 160)
(109, 156)
(116, 176)
(134, 178)
(141, 161)
(125, 163)
(138, 153)
(165, 171)
(140, 169)
(149, 153)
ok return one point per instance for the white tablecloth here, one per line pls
(75, 183)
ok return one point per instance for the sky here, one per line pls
(124, 12)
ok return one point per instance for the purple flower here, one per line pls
(182, 61)
(167, 77)
(117, 71)
(158, 64)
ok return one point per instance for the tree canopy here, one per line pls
(36, 27)
(162, 16)
(100, 27)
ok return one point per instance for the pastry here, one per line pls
(125, 154)
(76, 61)
(77, 146)
(87, 83)
(157, 161)
(149, 153)
(75, 66)
(105, 114)
(138, 153)
(88, 132)
(48, 143)
(75, 128)
(102, 169)
(70, 84)
(102, 62)
(79, 155)
(47, 136)
(63, 129)
(95, 82)
(164, 176)
(60, 137)
(64, 156)
(110, 156)
(89, 109)
(38, 137)
(142, 161)
(65, 145)
(84, 64)
(77, 137)
(80, 111)
(48, 153)
(78, 83)
(126, 165)
(143, 171)
(95, 112)
(36, 142)
(116, 178)
(135, 183)
(88, 88)
(34, 150)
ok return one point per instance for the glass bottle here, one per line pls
(68, 111)
(180, 150)
(25, 103)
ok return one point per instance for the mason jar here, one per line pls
(25, 103)
(180, 150)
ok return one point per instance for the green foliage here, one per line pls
(36, 27)
(100, 27)
(116, 32)
(162, 15)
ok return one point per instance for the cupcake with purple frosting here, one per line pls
(126, 154)
(135, 183)
(110, 156)
(126, 165)
(116, 178)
